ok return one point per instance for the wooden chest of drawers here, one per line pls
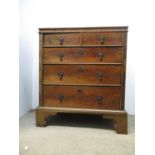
(82, 70)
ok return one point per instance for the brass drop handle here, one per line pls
(102, 39)
(100, 99)
(61, 97)
(61, 74)
(61, 39)
(100, 75)
(100, 54)
(61, 55)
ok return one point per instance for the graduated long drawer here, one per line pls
(81, 74)
(82, 55)
(82, 97)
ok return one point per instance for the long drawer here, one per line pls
(82, 97)
(81, 74)
(82, 55)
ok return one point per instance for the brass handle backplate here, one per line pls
(61, 97)
(100, 76)
(61, 55)
(102, 39)
(100, 55)
(100, 99)
(61, 74)
(61, 39)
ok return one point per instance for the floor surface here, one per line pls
(70, 134)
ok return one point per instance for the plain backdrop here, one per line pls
(36, 14)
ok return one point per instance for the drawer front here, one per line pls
(82, 97)
(103, 38)
(82, 55)
(62, 39)
(81, 74)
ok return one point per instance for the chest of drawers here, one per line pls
(82, 70)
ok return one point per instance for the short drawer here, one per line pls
(82, 97)
(81, 74)
(62, 39)
(103, 38)
(82, 55)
